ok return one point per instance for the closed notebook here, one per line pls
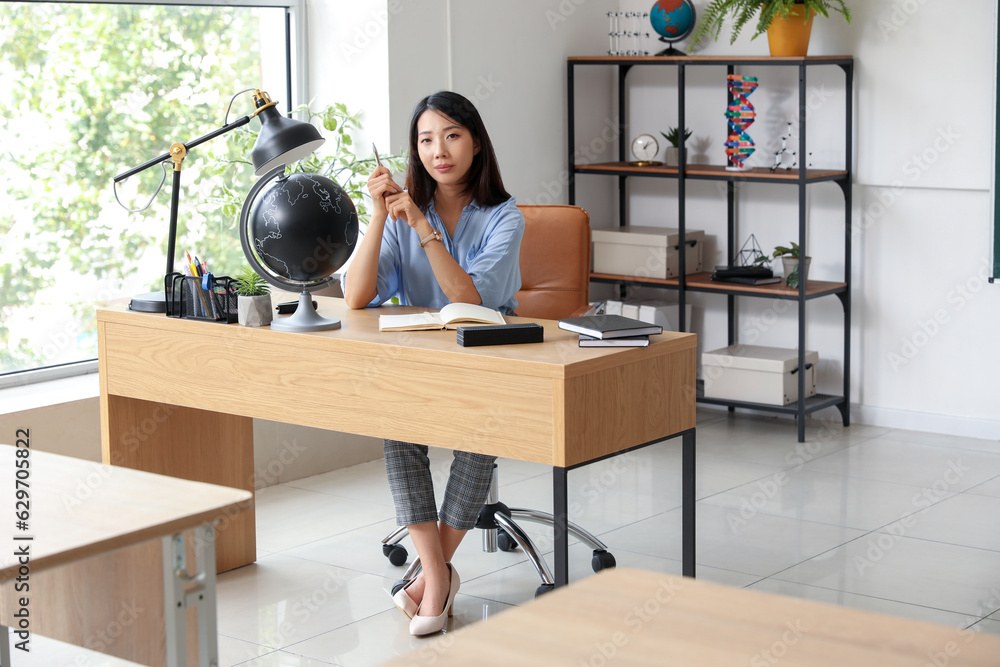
(449, 317)
(627, 341)
(609, 326)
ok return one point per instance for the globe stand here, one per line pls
(305, 318)
(670, 50)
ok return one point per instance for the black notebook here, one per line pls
(609, 326)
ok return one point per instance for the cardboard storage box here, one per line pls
(667, 315)
(757, 374)
(645, 252)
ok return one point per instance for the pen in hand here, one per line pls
(378, 160)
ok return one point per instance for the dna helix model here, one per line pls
(741, 115)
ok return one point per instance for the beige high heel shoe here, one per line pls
(428, 625)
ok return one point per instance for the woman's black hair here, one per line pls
(483, 182)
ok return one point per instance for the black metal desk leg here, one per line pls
(687, 504)
(560, 525)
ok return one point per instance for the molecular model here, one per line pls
(632, 34)
(779, 155)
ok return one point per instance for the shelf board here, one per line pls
(813, 403)
(711, 172)
(702, 282)
(711, 60)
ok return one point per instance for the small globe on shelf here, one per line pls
(297, 230)
(673, 20)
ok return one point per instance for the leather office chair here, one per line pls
(555, 283)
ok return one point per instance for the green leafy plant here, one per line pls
(743, 11)
(792, 279)
(249, 283)
(673, 135)
(336, 159)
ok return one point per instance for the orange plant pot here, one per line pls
(790, 36)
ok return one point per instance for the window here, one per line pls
(91, 90)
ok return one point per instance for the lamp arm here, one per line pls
(188, 146)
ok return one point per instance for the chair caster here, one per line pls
(395, 553)
(543, 589)
(602, 560)
(398, 584)
(504, 541)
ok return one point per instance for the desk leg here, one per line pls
(688, 499)
(181, 591)
(560, 525)
(193, 444)
(5, 646)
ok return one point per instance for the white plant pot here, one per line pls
(254, 311)
(670, 156)
(789, 264)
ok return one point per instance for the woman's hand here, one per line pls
(380, 184)
(401, 207)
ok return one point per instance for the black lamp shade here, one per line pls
(282, 141)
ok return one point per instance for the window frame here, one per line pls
(297, 93)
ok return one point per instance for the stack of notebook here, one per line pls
(610, 330)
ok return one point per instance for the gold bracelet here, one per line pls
(435, 235)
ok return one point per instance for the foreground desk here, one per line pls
(178, 398)
(84, 511)
(637, 618)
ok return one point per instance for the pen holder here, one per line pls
(208, 297)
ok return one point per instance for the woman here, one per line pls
(460, 243)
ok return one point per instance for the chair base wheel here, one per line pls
(396, 553)
(398, 584)
(505, 542)
(543, 589)
(602, 560)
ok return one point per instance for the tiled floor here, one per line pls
(892, 521)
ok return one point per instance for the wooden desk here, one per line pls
(631, 617)
(81, 510)
(178, 398)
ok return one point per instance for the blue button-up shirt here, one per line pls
(486, 244)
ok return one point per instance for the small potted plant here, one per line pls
(788, 23)
(253, 301)
(790, 261)
(673, 135)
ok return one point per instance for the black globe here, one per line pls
(298, 229)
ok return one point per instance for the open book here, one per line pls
(449, 317)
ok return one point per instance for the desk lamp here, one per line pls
(281, 141)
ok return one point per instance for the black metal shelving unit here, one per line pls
(799, 178)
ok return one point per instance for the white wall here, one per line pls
(923, 316)
(508, 58)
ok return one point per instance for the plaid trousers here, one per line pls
(409, 473)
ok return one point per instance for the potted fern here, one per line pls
(671, 152)
(253, 300)
(788, 23)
